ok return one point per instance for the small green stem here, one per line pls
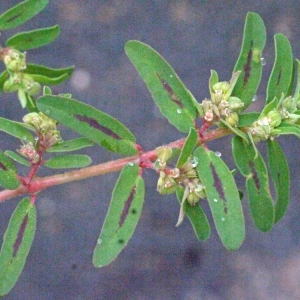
(39, 184)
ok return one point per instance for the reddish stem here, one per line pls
(36, 184)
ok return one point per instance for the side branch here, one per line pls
(39, 184)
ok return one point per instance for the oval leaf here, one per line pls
(71, 145)
(68, 161)
(15, 129)
(21, 13)
(33, 39)
(122, 216)
(252, 166)
(16, 244)
(282, 72)
(170, 95)
(8, 173)
(249, 61)
(188, 147)
(223, 198)
(97, 126)
(196, 216)
(280, 173)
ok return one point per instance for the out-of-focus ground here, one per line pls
(161, 262)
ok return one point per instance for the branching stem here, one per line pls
(38, 184)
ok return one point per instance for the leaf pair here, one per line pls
(20, 14)
(252, 166)
(222, 195)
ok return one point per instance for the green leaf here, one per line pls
(8, 173)
(214, 78)
(94, 124)
(269, 107)
(188, 147)
(248, 119)
(17, 242)
(249, 61)
(17, 158)
(45, 75)
(33, 39)
(21, 13)
(223, 198)
(15, 129)
(3, 77)
(68, 161)
(297, 89)
(282, 72)
(169, 93)
(34, 69)
(280, 174)
(122, 216)
(287, 128)
(196, 216)
(71, 145)
(252, 166)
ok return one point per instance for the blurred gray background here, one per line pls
(161, 261)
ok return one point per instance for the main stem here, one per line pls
(40, 183)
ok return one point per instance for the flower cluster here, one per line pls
(18, 80)
(44, 127)
(185, 176)
(222, 104)
(285, 110)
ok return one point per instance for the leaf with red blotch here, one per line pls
(249, 61)
(281, 77)
(92, 123)
(20, 13)
(171, 96)
(17, 242)
(122, 217)
(223, 198)
(252, 166)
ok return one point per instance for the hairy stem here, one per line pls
(39, 184)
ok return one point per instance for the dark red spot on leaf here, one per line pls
(19, 238)
(247, 65)
(254, 175)
(279, 76)
(217, 182)
(127, 207)
(174, 98)
(13, 18)
(219, 186)
(94, 123)
(3, 167)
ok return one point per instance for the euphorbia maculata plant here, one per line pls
(185, 167)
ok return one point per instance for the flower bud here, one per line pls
(165, 184)
(14, 60)
(235, 103)
(192, 199)
(221, 86)
(232, 119)
(275, 118)
(163, 154)
(9, 86)
(41, 122)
